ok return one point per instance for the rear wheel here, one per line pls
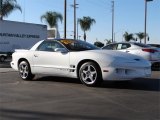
(2, 58)
(90, 74)
(25, 71)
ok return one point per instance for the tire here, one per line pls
(2, 58)
(90, 74)
(25, 71)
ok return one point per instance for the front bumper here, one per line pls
(14, 65)
(120, 74)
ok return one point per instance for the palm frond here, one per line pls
(52, 18)
(8, 6)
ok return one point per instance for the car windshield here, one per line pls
(77, 45)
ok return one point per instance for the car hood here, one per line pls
(117, 54)
(123, 58)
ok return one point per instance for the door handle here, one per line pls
(35, 55)
(127, 51)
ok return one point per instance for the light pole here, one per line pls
(145, 21)
(112, 21)
(75, 20)
(65, 17)
(77, 28)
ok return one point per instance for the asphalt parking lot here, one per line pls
(49, 98)
(55, 98)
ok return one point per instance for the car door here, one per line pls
(48, 61)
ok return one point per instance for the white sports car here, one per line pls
(78, 59)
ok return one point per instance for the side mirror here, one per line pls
(62, 50)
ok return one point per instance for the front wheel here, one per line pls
(90, 74)
(25, 71)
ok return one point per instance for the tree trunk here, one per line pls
(84, 36)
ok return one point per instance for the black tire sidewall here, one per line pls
(2, 58)
(30, 75)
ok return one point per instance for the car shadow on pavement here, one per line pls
(136, 84)
(57, 79)
(13, 114)
(148, 84)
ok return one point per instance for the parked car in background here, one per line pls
(3, 56)
(145, 51)
(78, 59)
(156, 65)
(155, 45)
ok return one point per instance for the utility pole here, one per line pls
(1, 17)
(77, 28)
(112, 21)
(24, 10)
(145, 21)
(65, 18)
(75, 19)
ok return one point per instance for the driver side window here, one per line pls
(49, 46)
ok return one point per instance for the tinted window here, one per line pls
(141, 45)
(119, 46)
(125, 46)
(77, 45)
(110, 47)
(49, 46)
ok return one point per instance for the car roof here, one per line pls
(137, 44)
(127, 42)
(58, 39)
(155, 45)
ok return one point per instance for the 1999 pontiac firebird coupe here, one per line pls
(78, 59)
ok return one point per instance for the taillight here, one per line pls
(149, 50)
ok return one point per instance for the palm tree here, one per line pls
(86, 23)
(8, 6)
(108, 41)
(51, 18)
(128, 36)
(140, 35)
(99, 44)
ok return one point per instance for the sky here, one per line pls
(128, 17)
